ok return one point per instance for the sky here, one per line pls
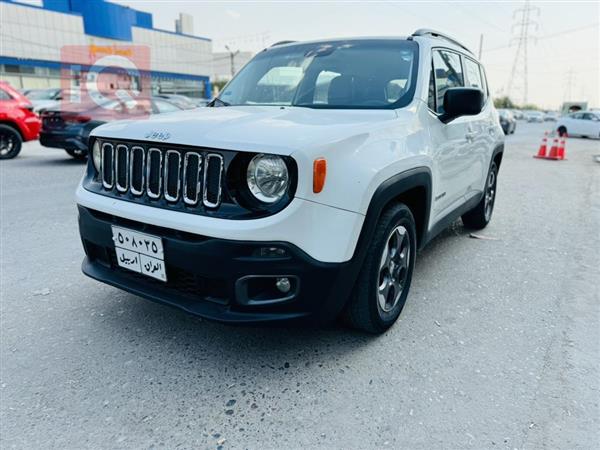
(563, 54)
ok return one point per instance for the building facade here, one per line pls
(33, 39)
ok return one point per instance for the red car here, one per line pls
(18, 122)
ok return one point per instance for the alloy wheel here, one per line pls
(490, 194)
(393, 269)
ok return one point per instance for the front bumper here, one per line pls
(208, 276)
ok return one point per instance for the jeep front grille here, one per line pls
(163, 173)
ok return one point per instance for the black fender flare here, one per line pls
(418, 177)
(499, 149)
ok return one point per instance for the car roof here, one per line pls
(428, 40)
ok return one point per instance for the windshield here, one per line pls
(371, 74)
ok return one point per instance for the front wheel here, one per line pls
(10, 142)
(384, 280)
(480, 216)
(562, 131)
(79, 155)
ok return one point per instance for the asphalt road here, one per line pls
(497, 347)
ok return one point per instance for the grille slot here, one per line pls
(175, 176)
(154, 173)
(212, 180)
(192, 166)
(172, 175)
(107, 167)
(121, 172)
(136, 170)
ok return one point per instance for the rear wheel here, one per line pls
(481, 215)
(80, 155)
(384, 280)
(10, 142)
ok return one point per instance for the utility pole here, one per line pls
(232, 56)
(523, 23)
(569, 81)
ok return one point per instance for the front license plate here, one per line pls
(139, 252)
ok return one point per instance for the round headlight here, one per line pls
(96, 155)
(267, 177)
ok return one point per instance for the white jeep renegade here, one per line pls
(304, 190)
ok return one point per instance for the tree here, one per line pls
(217, 86)
(504, 102)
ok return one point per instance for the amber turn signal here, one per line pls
(319, 174)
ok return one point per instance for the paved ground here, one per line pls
(498, 346)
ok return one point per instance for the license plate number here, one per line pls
(140, 252)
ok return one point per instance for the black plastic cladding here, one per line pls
(236, 201)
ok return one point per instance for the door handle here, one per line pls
(470, 136)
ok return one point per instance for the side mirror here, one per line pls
(461, 102)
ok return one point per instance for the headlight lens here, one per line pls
(96, 155)
(268, 177)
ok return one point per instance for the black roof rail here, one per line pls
(282, 43)
(428, 32)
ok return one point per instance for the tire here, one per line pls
(79, 155)
(562, 131)
(10, 142)
(480, 216)
(392, 250)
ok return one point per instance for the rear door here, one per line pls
(449, 141)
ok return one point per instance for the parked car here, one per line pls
(584, 124)
(70, 130)
(18, 122)
(507, 121)
(42, 99)
(182, 101)
(550, 116)
(304, 192)
(518, 114)
(534, 116)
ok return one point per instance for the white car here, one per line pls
(582, 123)
(303, 192)
(534, 116)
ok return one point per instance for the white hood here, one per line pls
(269, 129)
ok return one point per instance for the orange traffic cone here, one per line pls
(553, 150)
(543, 147)
(561, 148)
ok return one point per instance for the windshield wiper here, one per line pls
(220, 102)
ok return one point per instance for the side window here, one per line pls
(486, 88)
(589, 116)
(431, 94)
(473, 75)
(448, 74)
(4, 95)
(577, 116)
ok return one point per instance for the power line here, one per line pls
(523, 24)
(549, 36)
